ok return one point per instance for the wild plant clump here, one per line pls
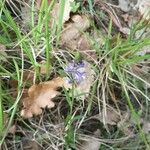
(74, 75)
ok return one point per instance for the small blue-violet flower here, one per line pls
(76, 72)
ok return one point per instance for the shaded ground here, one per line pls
(101, 49)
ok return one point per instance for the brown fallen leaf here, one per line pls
(67, 9)
(112, 116)
(121, 119)
(72, 31)
(40, 96)
(28, 79)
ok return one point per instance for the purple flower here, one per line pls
(76, 72)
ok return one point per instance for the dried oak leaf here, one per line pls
(72, 31)
(67, 9)
(40, 96)
(111, 117)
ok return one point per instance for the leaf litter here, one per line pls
(81, 75)
(40, 96)
(67, 10)
(88, 143)
(72, 32)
